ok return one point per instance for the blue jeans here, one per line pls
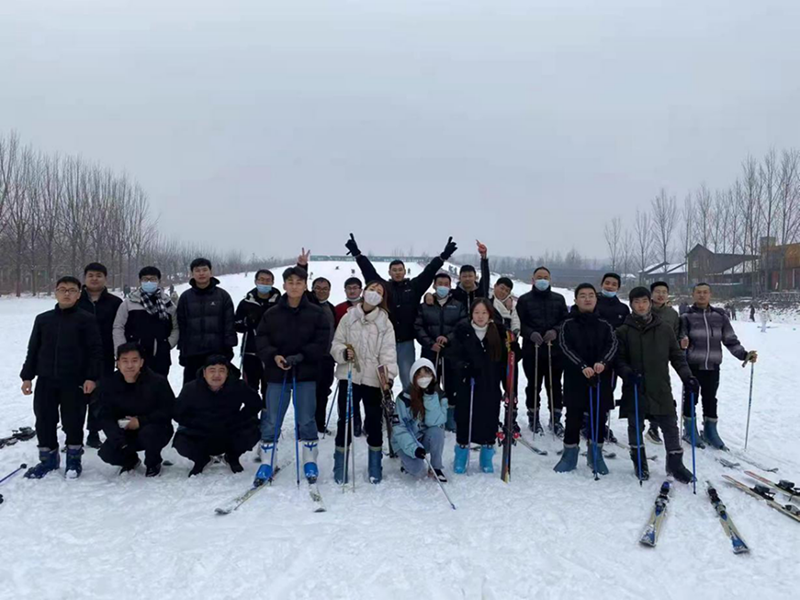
(406, 355)
(305, 405)
(433, 442)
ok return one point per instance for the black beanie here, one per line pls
(639, 292)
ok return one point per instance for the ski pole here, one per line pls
(353, 442)
(638, 431)
(550, 391)
(597, 416)
(694, 429)
(330, 410)
(593, 433)
(749, 406)
(241, 357)
(469, 431)
(296, 426)
(277, 423)
(14, 472)
(347, 423)
(441, 485)
(536, 384)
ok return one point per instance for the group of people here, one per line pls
(295, 343)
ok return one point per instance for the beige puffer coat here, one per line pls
(372, 337)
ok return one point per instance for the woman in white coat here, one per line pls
(363, 341)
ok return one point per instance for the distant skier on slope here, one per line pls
(764, 317)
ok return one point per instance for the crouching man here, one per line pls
(216, 414)
(135, 407)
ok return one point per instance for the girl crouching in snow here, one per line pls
(419, 418)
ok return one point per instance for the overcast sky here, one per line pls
(274, 124)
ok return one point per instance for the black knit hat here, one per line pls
(639, 292)
(584, 286)
(613, 276)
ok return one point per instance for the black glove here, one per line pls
(293, 360)
(692, 386)
(352, 246)
(449, 249)
(636, 379)
(550, 336)
(420, 453)
(537, 338)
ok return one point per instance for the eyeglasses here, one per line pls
(67, 291)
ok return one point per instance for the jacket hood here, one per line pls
(419, 364)
(252, 296)
(233, 375)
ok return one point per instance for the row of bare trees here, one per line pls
(763, 202)
(58, 213)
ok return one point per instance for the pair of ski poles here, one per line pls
(277, 426)
(594, 423)
(550, 382)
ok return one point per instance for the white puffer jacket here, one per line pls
(372, 338)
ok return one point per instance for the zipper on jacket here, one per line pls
(708, 339)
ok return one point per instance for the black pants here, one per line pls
(485, 416)
(150, 438)
(192, 364)
(253, 372)
(709, 384)
(324, 382)
(669, 429)
(92, 420)
(49, 397)
(534, 386)
(373, 410)
(200, 447)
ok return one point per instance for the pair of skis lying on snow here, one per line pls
(765, 490)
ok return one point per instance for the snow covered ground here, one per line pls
(541, 536)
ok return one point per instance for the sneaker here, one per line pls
(558, 429)
(610, 437)
(233, 463)
(439, 474)
(93, 440)
(153, 470)
(357, 430)
(653, 435)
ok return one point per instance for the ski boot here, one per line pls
(569, 459)
(233, 463)
(93, 440)
(74, 466)
(450, 425)
(199, 466)
(711, 436)
(153, 470)
(556, 426)
(676, 469)
(374, 468)
(129, 464)
(310, 469)
(534, 424)
(460, 462)
(645, 474)
(357, 429)
(687, 434)
(486, 456)
(265, 471)
(610, 437)
(338, 466)
(599, 468)
(49, 460)
(653, 435)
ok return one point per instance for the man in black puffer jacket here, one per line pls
(292, 340)
(216, 414)
(135, 411)
(609, 307)
(205, 320)
(541, 311)
(405, 295)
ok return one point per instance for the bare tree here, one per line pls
(663, 224)
(704, 216)
(613, 235)
(643, 241)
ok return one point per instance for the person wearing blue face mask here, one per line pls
(541, 312)
(435, 329)
(248, 315)
(148, 317)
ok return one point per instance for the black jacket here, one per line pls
(404, 296)
(205, 320)
(249, 314)
(437, 319)
(540, 312)
(285, 331)
(482, 291)
(473, 362)
(585, 340)
(612, 310)
(149, 398)
(105, 311)
(64, 346)
(199, 410)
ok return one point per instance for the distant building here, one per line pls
(673, 273)
(731, 274)
(780, 266)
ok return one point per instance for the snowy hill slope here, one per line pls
(541, 536)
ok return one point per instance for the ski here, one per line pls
(764, 493)
(530, 446)
(241, 499)
(783, 486)
(23, 434)
(605, 454)
(507, 436)
(749, 461)
(316, 497)
(739, 545)
(650, 535)
(388, 405)
(727, 463)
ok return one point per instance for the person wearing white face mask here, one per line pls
(609, 306)
(420, 415)
(148, 317)
(363, 341)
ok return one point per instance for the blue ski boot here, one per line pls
(265, 471)
(460, 462)
(600, 467)
(310, 468)
(450, 425)
(487, 454)
(374, 465)
(74, 466)
(338, 466)
(687, 433)
(711, 436)
(49, 460)
(569, 459)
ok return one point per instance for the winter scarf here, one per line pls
(156, 304)
(480, 332)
